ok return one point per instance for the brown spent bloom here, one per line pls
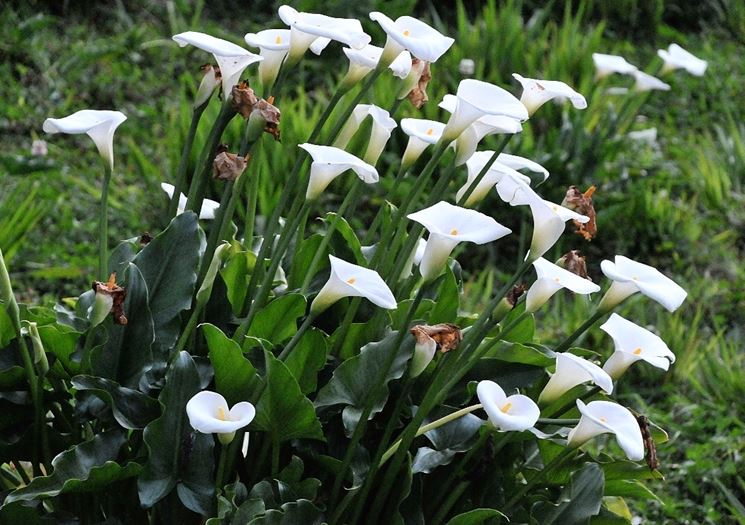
(418, 96)
(582, 203)
(573, 262)
(513, 295)
(271, 115)
(228, 166)
(653, 461)
(213, 68)
(117, 294)
(447, 336)
(145, 238)
(244, 99)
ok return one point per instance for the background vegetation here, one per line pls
(675, 202)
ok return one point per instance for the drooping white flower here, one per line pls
(209, 207)
(491, 178)
(634, 343)
(363, 61)
(606, 65)
(382, 127)
(476, 99)
(605, 417)
(538, 92)
(408, 33)
(519, 163)
(316, 31)
(424, 352)
(676, 57)
(273, 44)
(231, 58)
(645, 82)
(448, 225)
(509, 413)
(422, 133)
(330, 162)
(350, 280)
(209, 413)
(571, 371)
(99, 125)
(552, 278)
(630, 277)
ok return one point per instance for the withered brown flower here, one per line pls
(582, 203)
(117, 294)
(447, 336)
(418, 95)
(573, 262)
(228, 166)
(244, 99)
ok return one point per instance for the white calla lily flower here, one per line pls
(630, 277)
(552, 278)
(99, 125)
(209, 413)
(382, 127)
(424, 351)
(519, 163)
(538, 92)
(422, 133)
(207, 86)
(273, 44)
(363, 61)
(330, 162)
(231, 58)
(513, 413)
(676, 57)
(209, 207)
(606, 417)
(408, 33)
(315, 31)
(606, 65)
(572, 370)
(351, 280)
(645, 82)
(449, 225)
(634, 343)
(476, 99)
(494, 175)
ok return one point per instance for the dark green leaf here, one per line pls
(236, 273)
(578, 502)
(235, 376)
(301, 512)
(307, 358)
(446, 305)
(629, 488)
(277, 321)
(61, 341)
(132, 409)
(520, 353)
(303, 258)
(476, 516)
(345, 243)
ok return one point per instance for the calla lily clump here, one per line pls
(335, 335)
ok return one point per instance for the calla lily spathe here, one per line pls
(571, 371)
(645, 82)
(207, 86)
(509, 413)
(273, 44)
(606, 65)
(538, 92)
(209, 207)
(99, 125)
(330, 162)
(552, 278)
(316, 31)
(422, 133)
(424, 351)
(634, 343)
(476, 99)
(519, 163)
(676, 57)
(630, 277)
(605, 417)
(209, 413)
(231, 58)
(350, 280)
(448, 225)
(363, 61)
(496, 172)
(382, 127)
(408, 33)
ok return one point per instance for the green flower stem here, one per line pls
(379, 216)
(184, 161)
(296, 338)
(484, 170)
(275, 457)
(253, 194)
(340, 509)
(350, 198)
(551, 421)
(560, 458)
(396, 105)
(431, 426)
(552, 411)
(103, 227)
(345, 324)
(566, 343)
(369, 81)
(220, 475)
(450, 501)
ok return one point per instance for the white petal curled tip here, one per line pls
(571, 371)
(231, 58)
(428, 131)
(645, 82)
(632, 277)
(633, 343)
(368, 57)
(676, 57)
(550, 279)
(208, 413)
(514, 413)
(209, 207)
(99, 125)
(605, 417)
(518, 163)
(538, 92)
(330, 162)
(421, 245)
(271, 39)
(608, 64)
(351, 280)
(494, 175)
(421, 40)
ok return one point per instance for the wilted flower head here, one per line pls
(330, 162)
(634, 343)
(538, 92)
(608, 64)
(99, 125)
(211, 79)
(208, 206)
(645, 82)
(228, 166)
(382, 126)
(582, 204)
(351, 280)
(363, 61)
(418, 79)
(605, 417)
(209, 413)
(448, 225)
(407, 33)
(676, 57)
(514, 413)
(571, 371)
(428, 338)
(421, 134)
(109, 299)
(552, 278)
(630, 277)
